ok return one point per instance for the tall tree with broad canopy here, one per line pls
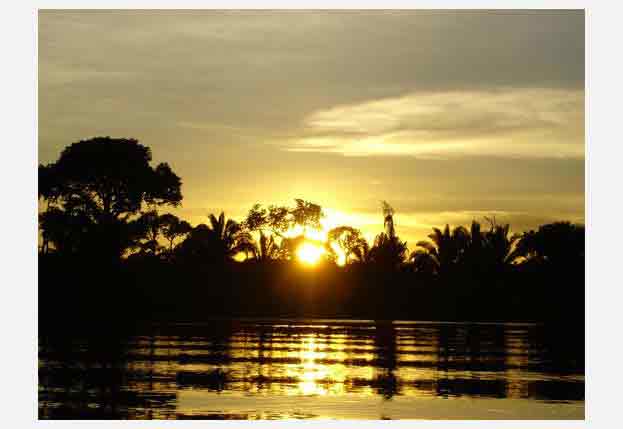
(107, 181)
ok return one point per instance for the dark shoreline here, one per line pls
(76, 291)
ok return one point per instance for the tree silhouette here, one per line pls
(444, 250)
(227, 238)
(306, 214)
(196, 247)
(48, 184)
(470, 251)
(289, 246)
(107, 180)
(500, 247)
(278, 219)
(388, 251)
(173, 228)
(423, 263)
(266, 249)
(149, 226)
(556, 244)
(257, 218)
(361, 253)
(111, 177)
(349, 240)
(65, 230)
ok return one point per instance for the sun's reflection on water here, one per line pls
(376, 360)
(311, 371)
(313, 375)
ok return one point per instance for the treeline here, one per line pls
(105, 247)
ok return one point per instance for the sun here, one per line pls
(309, 253)
(313, 248)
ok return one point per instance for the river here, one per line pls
(315, 369)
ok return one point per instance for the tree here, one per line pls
(554, 268)
(388, 218)
(500, 247)
(149, 226)
(444, 250)
(423, 263)
(556, 244)
(173, 228)
(48, 184)
(348, 239)
(388, 251)
(197, 244)
(289, 246)
(267, 249)
(278, 219)
(110, 177)
(472, 251)
(67, 231)
(107, 180)
(227, 238)
(257, 218)
(307, 214)
(361, 253)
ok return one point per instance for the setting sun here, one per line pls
(309, 253)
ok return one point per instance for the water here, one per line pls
(329, 369)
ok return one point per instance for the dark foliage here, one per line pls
(95, 188)
(109, 256)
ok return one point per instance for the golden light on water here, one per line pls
(353, 367)
(316, 378)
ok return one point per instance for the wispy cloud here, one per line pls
(506, 122)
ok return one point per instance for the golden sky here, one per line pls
(448, 115)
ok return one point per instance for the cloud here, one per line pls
(220, 94)
(507, 122)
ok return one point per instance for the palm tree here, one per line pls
(267, 249)
(361, 252)
(228, 238)
(444, 250)
(500, 247)
(479, 252)
(423, 263)
(388, 250)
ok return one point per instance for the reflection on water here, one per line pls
(314, 368)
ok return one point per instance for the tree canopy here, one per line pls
(108, 177)
(104, 181)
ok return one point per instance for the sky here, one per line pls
(450, 116)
